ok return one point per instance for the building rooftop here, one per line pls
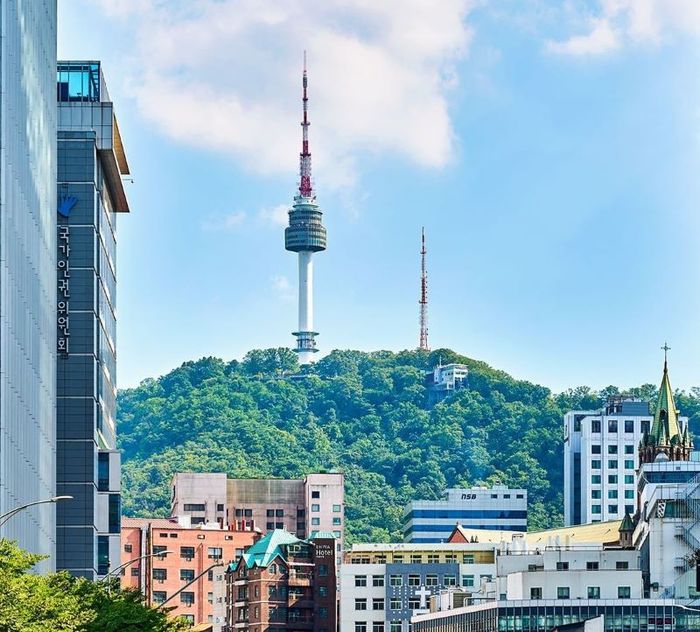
(265, 550)
(594, 533)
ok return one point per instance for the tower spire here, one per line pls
(423, 302)
(305, 189)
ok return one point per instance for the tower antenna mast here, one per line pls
(423, 302)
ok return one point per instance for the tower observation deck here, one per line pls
(305, 235)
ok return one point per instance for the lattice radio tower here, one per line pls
(423, 302)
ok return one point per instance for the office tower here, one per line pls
(28, 272)
(91, 163)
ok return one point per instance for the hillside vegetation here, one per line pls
(364, 414)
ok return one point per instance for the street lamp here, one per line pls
(130, 562)
(13, 512)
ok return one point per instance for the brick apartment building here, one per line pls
(300, 506)
(195, 548)
(284, 584)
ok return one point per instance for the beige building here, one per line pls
(300, 506)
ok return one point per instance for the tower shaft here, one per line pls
(423, 302)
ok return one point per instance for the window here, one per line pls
(315, 507)
(187, 552)
(160, 574)
(431, 580)
(629, 425)
(595, 479)
(219, 507)
(187, 598)
(194, 507)
(645, 426)
(612, 493)
(612, 509)
(336, 522)
(629, 464)
(450, 558)
(323, 591)
(127, 548)
(416, 559)
(563, 592)
(612, 449)
(595, 425)
(594, 592)
(315, 494)
(186, 574)
(629, 479)
(562, 566)
(323, 613)
(270, 526)
(536, 592)
(247, 513)
(622, 566)
(378, 626)
(279, 513)
(360, 580)
(467, 581)
(595, 493)
(506, 495)
(395, 580)
(624, 592)
(360, 604)
(413, 603)
(215, 553)
(433, 558)
(612, 425)
(377, 580)
(395, 604)
(414, 580)
(323, 570)
(629, 448)
(577, 424)
(270, 513)
(279, 525)
(337, 535)
(377, 604)
(591, 566)
(336, 509)
(595, 448)
(520, 496)
(395, 626)
(159, 596)
(595, 464)
(360, 626)
(629, 493)
(612, 478)
(595, 509)
(157, 549)
(629, 509)
(612, 464)
(135, 571)
(398, 559)
(467, 559)
(315, 521)
(449, 580)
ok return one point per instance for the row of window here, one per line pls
(415, 558)
(594, 566)
(596, 494)
(413, 580)
(612, 448)
(186, 598)
(613, 509)
(377, 626)
(200, 536)
(593, 592)
(612, 479)
(187, 552)
(612, 464)
(613, 425)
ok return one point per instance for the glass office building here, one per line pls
(28, 272)
(91, 163)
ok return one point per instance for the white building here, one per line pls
(600, 458)
(496, 508)
(445, 379)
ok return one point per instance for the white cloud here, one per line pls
(283, 288)
(620, 22)
(275, 216)
(225, 75)
(216, 223)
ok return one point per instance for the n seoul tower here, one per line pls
(305, 235)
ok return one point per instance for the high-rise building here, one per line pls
(28, 272)
(300, 506)
(601, 454)
(91, 163)
(305, 235)
(497, 507)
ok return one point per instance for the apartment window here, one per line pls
(323, 591)
(323, 570)
(629, 493)
(377, 604)
(127, 548)
(194, 507)
(431, 580)
(279, 513)
(158, 549)
(591, 566)
(520, 496)
(336, 522)
(468, 581)
(414, 580)
(629, 509)
(187, 598)
(595, 425)
(159, 596)
(506, 495)
(336, 509)
(593, 592)
(270, 513)
(360, 580)
(395, 580)
(612, 478)
(378, 626)
(215, 553)
(416, 559)
(395, 604)
(210, 576)
(247, 513)
(612, 509)
(360, 604)
(612, 493)
(449, 580)
(398, 559)
(219, 507)
(622, 566)
(629, 425)
(186, 574)
(450, 558)
(595, 494)
(187, 552)
(323, 613)
(629, 464)
(595, 479)
(377, 580)
(536, 592)
(612, 425)
(629, 448)
(315, 494)
(360, 626)
(467, 559)
(413, 603)
(645, 426)
(270, 526)
(612, 464)
(135, 571)
(160, 574)
(612, 449)
(629, 479)
(595, 509)
(595, 464)
(624, 592)
(563, 592)
(595, 448)
(433, 558)
(395, 626)
(315, 507)
(562, 566)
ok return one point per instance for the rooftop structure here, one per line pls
(305, 235)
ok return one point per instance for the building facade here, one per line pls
(446, 379)
(300, 506)
(497, 508)
(600, 458)
(283, 583)
(194, 549)
(91, 163)
(28, 272)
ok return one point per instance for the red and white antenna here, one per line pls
(305, 189)
(423, 302)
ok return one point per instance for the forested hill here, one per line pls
(364, 414)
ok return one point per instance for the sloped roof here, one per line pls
(265, 550)
(665, 427)
(627, 524)
(594, 533)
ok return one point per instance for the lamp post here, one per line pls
(129, 563)
(13, 512)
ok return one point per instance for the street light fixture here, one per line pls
(13, 512)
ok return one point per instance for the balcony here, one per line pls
(300, 578)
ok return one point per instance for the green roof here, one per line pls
(269, 547)
(627, 524)
(666, 429)
(322, 535)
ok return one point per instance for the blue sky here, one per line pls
(551, 149)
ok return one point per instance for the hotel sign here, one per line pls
(65, 204)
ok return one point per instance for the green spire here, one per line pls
(627, 524)
(665, 428)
